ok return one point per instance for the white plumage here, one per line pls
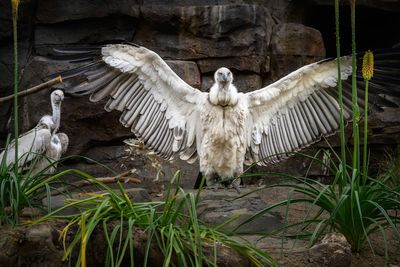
(223, 128)
(41, 146)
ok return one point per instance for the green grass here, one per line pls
(356, 212)
(22, 189)
(28, 189)
(172, 224)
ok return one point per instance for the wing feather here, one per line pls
(155, 103)
(282, 133)
(302, 107)
(31, 145)
(326, 118)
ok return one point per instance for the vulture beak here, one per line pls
(225, 78)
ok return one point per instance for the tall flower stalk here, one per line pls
(363, 205)
(14, 6)
(367, 73)
(356, 108)
(340, 92)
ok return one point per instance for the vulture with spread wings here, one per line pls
(223, 128)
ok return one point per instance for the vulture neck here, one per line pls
(56, 116)
(223, 94)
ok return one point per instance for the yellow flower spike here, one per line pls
(15, 5)
(368, 65)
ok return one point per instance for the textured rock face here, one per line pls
(53, 11)
(332, 251)
(217, 207)
(253, 38)
(292, 46)
(205, 31)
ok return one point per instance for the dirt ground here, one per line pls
(288, 253)
(294, 253)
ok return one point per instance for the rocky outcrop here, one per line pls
(292, 46)
(332, 251)
(40, 245)
(216, 207)
(259, 40)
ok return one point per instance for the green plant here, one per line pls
(172, 224)
(355, 204)
(22, 190)
(389, 165)
(356, 213)
(28, 188)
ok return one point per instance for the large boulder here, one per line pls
(332, 251)
(53, 11)
(253, 38)
(293, 46)
(257, 64)
(93, 30)
(190, 32)
(187, 70)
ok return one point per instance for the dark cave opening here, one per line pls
(375, 28)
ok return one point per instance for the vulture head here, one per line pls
(223, 77)
(46, 122)
(57, 97)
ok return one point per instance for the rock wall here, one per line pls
(259, 40)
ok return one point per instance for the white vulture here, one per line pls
(42, 145)
(223, 128)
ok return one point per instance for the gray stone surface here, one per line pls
(297, 40)
(293, 46)
(260, 41)
(87, 31)
(332, 251)
(187, 70)
(30, 246)
(52, 11)
(205, 31)
(216, 207)
(257, 64)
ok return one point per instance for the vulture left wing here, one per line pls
(299, 109)
(31, 146)
(159, 107)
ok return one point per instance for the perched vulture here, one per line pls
(223, 127)
(41, 146)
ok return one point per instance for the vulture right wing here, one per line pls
(159, 107)
(302, 107)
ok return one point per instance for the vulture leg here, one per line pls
(235, 184)
(212, 180)
(198, 181)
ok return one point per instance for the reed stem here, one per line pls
(356, 109)
(365, 134)
(16, 76)
(340, 92)
(367, 73)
